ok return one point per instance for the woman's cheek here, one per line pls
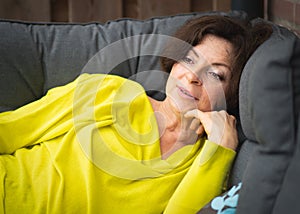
(204, 105)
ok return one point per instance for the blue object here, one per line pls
(226, 204)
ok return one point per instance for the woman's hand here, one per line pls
(219, 126)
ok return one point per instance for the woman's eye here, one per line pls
(188, 60)
(214, 75)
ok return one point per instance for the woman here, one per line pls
(101, 145)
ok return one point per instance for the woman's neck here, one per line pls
(168, 117)
(169, 122)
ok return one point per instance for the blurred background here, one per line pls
(284, 12)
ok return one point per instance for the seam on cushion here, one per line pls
(27, 83)
(294, 84)
(40, 55)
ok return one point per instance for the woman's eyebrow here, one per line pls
(221, 64)
(195, 52)
(213, 64)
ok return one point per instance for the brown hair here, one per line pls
(244, 38)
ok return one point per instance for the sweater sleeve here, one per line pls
(58, 112)
(34, 122)
(204, 180)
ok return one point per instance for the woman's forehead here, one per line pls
(213, 47)
(213, 50)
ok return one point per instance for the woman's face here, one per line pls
(202, 78)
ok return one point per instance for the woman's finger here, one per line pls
(195, 124)
(219, 126)
(203, 117)
(200, 130)
(194, 113)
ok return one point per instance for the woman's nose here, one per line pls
(193, 78)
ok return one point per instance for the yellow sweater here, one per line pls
(92, 146)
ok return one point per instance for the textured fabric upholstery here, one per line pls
(269, 110)
(38, 56)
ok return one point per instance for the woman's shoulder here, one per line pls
(87, 77)
(102, 80)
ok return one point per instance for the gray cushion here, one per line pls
(269, 110)
(21, 77)
(38, 56)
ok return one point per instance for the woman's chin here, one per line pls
(184, 107)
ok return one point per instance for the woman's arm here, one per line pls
(206, 177)
(205, 180)
(38, 121)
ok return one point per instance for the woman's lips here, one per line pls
(186, 93)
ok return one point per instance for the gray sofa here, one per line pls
(35, 57)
